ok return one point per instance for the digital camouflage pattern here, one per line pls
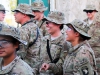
(24, 8)
(42, 26)
(90, 7)
(95, 39)
(38, 5)
(80, 60)
(17, 67)
(56, 17)
(80, 27)
(56, 50)
(28, 32)
(11, 31)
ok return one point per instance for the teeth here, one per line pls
(48, 28)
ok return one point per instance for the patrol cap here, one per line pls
(56, 17)
(80, 27)
(6, 30)
(90, 7)
(25, 9)
(38, 5)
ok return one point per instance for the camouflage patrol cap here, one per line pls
(80, 27)
(38, 5)
(2, 8)
(56, 17)
(6, 30)
(24, 8)
(90, 7)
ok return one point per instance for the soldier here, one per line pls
(90, 11)
(29, 32)
(38, 9)
(52, 49)
(2, 12)
(11, 64)
(80, 59)
(94, 32)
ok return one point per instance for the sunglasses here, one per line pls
(2, 11)
(4, 43)
(35, 11)
(48, 22)
(89, 11)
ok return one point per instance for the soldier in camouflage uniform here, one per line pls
(94, 32)
(11, 64)
(38, 9)
(91, 12)
(52, 48)
(2, 12)
(80, 59)
(29, 32)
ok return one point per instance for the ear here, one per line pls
(77, 34)
(16, 45)
(24, 15)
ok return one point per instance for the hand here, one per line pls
(45, 66)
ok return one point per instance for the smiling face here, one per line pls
(18, 16)
(71, 33)
(7, 46)
(91, 14)
(52, 27)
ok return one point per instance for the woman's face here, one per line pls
(7, 48)
(71, 34)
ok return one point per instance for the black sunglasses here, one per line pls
(89, 11)
(47, 22)
(35, 11)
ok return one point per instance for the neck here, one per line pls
(75, 42)
(24, 21)
(56, 34)
(7, 60)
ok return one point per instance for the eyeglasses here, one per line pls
(89, 11)
(4, 43)
(69, 29)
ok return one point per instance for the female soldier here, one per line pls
(11, 64)
(80, 60)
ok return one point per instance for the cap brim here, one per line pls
(85, 10)
(79, 30)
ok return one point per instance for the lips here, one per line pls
(1, 52)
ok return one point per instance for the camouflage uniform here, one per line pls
(17, 66)
(94, 32)
(89, 7)
(80, 59)
(56, 46)
(38, 5)
(29, 32)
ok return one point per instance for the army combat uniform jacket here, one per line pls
(80, 60)
(30, 33)
(56, 51)
(42, 26)
(17, 67)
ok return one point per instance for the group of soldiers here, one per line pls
(39, 47)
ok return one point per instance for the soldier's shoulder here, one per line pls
(23, 68)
